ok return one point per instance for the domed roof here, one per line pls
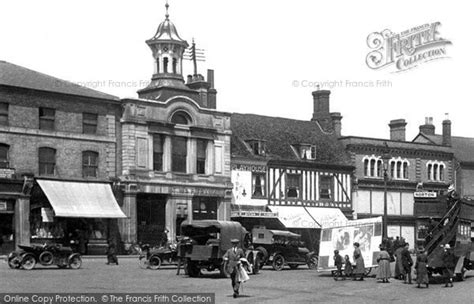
(167, 31)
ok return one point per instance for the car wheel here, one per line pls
(75, 262)
(313, 262)
(154, 262)
(256, 265)
(263, 253)
(14, 261)
(278, 262)
(143, 262)
(28, 262)
(46, 258)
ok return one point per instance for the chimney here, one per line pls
(397, 129)
(447, 131)
(211, 92)
(336, 118)
(321, 109)
(428, 128)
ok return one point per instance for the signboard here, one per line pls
(249, 167)
(3, 206)
(425, 194)
(6, 173)
(47, 215)
(254, 214)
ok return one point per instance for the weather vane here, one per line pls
(195, 55)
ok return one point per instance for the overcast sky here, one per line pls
(267, 55)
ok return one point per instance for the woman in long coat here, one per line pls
(359, 269)
(383, 271)
(421, 270)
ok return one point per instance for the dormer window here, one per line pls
(257, 146)
(308, 152)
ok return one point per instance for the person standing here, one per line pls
(383, 271)
(347, 266)
(232, 260)
(421, 268)
(111, 253)
(407, 262)
(449, 263)
(338, 263)
(359, 269)
(164, 238)
(398, 247)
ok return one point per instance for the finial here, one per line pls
(167, 6)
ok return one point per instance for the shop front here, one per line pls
(82, 212)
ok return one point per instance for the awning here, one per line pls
(81, 199)
(309, 217)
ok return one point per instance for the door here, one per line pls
(7, 233)
(151, 218)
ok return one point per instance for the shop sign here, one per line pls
(3, 206)
(6, 173)
(424, 194)
(249, 167)
(254, 214)
(47, 215)
(198, 191)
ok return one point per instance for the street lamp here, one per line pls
(385, 158)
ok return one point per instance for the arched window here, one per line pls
(399, 169)
(366, 167)
(405, 170)
(4, 162)
(441, 172)
(392, 169)
(47, 161)
(435, 172)
(165, 65)
(175, 63)
(430, 172)
(372, 167)
(90, 163)
(379, 168)
(181, 118)
(157, 65)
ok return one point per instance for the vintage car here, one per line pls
(45, 254)
(205, 243)
(279, 248)
(154, 257)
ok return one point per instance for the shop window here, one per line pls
(4, 162)
(4, 113)
(90, 163)
(258, 185)
(325, 187)
(47, 161)
(201, 156)
(89, 123)
(204, 208)
(46, 118)
(293, 186)
(179, 154)
(158, 141)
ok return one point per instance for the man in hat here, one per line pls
(449, 263)
(232, 259)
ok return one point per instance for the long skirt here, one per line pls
(383, 272)
(421, 274)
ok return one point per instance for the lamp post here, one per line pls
(385, 158)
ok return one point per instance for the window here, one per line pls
(201, 156)
(90, 161)
(441, 172)
(181, 118)
(372, 167)
(4, 163)
(4, 113)
(257, 146)
(165, 65)
(379, 168)
(366, 167)
(405, 170)
(175, 63)
(46, 118)
(399, 168)
(47, 161)
(179, 153)
(158, 152)
(258, 184)
(308, 152)
(430, 172)
(89, 123)
(293, 185)
(325, 187)
(204, 208)
(435, 171)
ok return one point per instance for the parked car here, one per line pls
(279, 248)
(206, 242)
(46, 254)
(154, 257)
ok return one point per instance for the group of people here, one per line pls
(403, 266)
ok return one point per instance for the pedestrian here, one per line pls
(421, 268)
(347, 266)
(338, 263)
(359, 269)
(164, 238)
(398, 260)
(449, 262)
(232, 260)
(407, 262)
(111, 253)
(383, 260)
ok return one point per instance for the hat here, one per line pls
(447, 246)
(234, 241)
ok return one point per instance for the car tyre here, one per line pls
(154, 262)
(263, 254)
(278, 262)
(143, 262)
(28, 262)
(75, 262)
(46, 258)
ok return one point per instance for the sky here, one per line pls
(267, 55)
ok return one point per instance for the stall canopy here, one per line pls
(309, 217)
(81, 199)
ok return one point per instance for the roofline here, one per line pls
(115, 100)
(392, 141)
(307, 164)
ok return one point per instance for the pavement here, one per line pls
(269, 286)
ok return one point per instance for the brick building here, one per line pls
(58, 146)
(295, 170)
(417, 171)
(176, 147)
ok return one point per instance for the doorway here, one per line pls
(7, 233)
(151, 218)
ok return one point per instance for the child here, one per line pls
(338, 263)
(347, 266)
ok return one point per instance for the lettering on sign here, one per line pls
(252, 168)
(6, 173)
(3, 206)
(425, 194)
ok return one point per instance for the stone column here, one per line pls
(167, 154)
(191, 157)
(128, 226)
(22, 221)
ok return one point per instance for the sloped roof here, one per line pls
(463, 147)
(18, 76)
(280, 134)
